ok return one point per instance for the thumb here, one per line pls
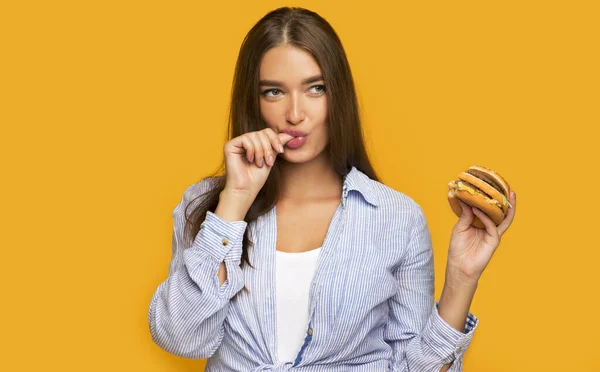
(466, 217)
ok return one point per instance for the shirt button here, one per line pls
(459, 350)
(310, 331)
(225, 241)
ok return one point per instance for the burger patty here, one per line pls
(487, 179)
(490, 200)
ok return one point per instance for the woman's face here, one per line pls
(293, 99)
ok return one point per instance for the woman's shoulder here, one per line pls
(390, 199)
(397, 213)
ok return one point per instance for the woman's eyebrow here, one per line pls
(273, 83)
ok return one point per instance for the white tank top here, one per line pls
(295, 272)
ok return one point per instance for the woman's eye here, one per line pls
(266, 92)
(320, 88)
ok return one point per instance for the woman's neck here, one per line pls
(313, 180)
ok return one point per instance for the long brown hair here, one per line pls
(308, 31)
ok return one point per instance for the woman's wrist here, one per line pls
(233, 205)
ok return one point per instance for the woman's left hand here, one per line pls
(471, 248)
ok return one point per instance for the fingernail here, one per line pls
(251, 158)
(280, 149)
(271, 160)
(262, 162)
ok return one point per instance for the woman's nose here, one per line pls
(295, 112)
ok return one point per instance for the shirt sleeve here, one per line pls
(187, 310)
(421, 340)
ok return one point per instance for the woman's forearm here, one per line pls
(222, 274)
(454, 305)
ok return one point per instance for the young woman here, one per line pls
(297, 258)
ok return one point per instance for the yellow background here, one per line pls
(110, 109)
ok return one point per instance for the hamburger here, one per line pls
(482, 188)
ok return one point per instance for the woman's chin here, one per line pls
(293, 160)
(302, 157)
(296, 158)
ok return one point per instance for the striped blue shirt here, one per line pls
(371, 305)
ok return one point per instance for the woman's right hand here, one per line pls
(249, 159)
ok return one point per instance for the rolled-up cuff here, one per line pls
(449, 343)
(219, 239)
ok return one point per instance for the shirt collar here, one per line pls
(356, 180)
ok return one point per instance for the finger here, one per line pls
(284, 138)
(267, 148)
(274, 139)
(466, 209)
(235, 146)
(241, 145)
(510, 215)
(490, 226)
(258, 149)
(466, 216)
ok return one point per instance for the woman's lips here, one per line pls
(295, 132)
(298, 140)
